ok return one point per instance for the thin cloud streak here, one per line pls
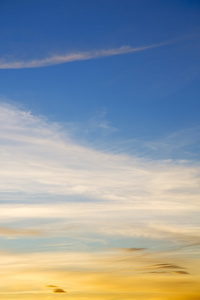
(128, 250)
(18, 232)
(163, 266)
(71, 57)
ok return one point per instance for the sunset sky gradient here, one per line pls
(100, 149)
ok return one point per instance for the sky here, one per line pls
(100, 144)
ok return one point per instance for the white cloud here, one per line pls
(77, 56)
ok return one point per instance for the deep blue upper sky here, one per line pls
(145, 94)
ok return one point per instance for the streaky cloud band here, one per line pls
(76, 56)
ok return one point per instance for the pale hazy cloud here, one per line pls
(51, 163)
(84, 260)
(104, 193)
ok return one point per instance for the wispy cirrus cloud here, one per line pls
(76, 56)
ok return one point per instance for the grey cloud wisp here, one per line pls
(70, 57)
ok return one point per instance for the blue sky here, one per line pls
(100, 143)
(155, 90)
